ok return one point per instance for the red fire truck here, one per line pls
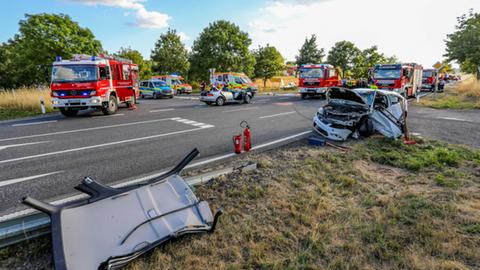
(429, 79)
(314, 79)
(101, 82)
(405, 79)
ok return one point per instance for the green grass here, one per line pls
(383, 205)
(7, 113)
(451, 101)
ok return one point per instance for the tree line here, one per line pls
(26, 58)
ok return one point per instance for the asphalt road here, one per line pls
(46, 157)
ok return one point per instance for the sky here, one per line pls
(412, 30)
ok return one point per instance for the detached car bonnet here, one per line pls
(337, 93)
(116, 225)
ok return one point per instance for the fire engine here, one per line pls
(100, 82)
(176, 83)
(405, 79)
(429, 79)
(314, 79)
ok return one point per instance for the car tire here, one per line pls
(68, 112)
(247, 99)
(112, 106)
(142, 96)
(170, 97)
(365, 127)
(220, 101)
(208, 102)
(154, 96)
(304, 96)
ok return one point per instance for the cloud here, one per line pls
(143, 17)
(183, 37)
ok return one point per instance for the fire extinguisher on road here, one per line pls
(237, 143)
(247, 143)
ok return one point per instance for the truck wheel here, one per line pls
(304, 96)
(68, 112)
(247, 99)
(220, 101)
(112, 106)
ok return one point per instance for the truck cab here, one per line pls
(99, 82)
(315, 79)
(429, 79)
(405, 79)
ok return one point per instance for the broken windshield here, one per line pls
(311, 73)
(74, 73)
(387, 73)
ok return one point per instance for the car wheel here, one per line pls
(142, 96)
(247, 99)
(170, 96)
(112, 106)
(365, 127)
(154, 96)
(304, 96)
(220, 101)
(68, 112)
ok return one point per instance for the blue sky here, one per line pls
(413, 30)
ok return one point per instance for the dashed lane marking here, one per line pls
(192, 123)
(275, 115)
(161, 110)
(23, 179)
(34, 123)
(453, 119)
(243, 109)
(3, 147)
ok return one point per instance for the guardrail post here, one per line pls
(42, 105)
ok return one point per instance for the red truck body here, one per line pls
(100, 82)
(314, 79)
(429, 79)
(405, 79)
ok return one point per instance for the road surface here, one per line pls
(46, 157)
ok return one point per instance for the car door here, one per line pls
(384, 117)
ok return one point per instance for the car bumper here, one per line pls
(208, 98)
(77, 102)
(313, 91)
(328, 132)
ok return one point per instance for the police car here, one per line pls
(155, 89)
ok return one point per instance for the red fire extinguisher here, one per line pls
(237, 143)
(247, 144)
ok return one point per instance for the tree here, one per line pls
(309, 53)
(366, 59)
(463, 45)
(269, 62)
(145, 66)
(224, 47)
(170, 55)
(343, 55)
(41, 37)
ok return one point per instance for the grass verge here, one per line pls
(383, 205)
(464, 95)
(23, 102)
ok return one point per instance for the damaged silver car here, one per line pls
(361, 112)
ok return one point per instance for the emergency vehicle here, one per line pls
(405, 79)
(315, 79)
(429, 79)
(233, 81)
(176, 83)
(101, 82)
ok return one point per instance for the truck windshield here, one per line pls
(427, 73)
(387, 73)
(311, 73)
(74, 73)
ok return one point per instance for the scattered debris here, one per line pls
(116, 225)
(361, 112)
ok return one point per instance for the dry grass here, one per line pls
(23, 102)
(318, 208)
(275, 83)
(463, 95)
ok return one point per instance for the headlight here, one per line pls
(93, 93)
(320, 111)
(54, 93)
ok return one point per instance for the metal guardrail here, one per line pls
(36, 224)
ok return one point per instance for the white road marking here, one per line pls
(86, 129)
(453, 119)
(192, 123)
(102, 145)
(113, 115)
(284, 98)
(145, 178)
(23, 179)
(415, 134)
(161, 110)
(239, 110)
(34, 123)
(189, 98)
(3, 147)
(275, 115)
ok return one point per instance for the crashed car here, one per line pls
(361, 112)
(113, 226)
(226, 95)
